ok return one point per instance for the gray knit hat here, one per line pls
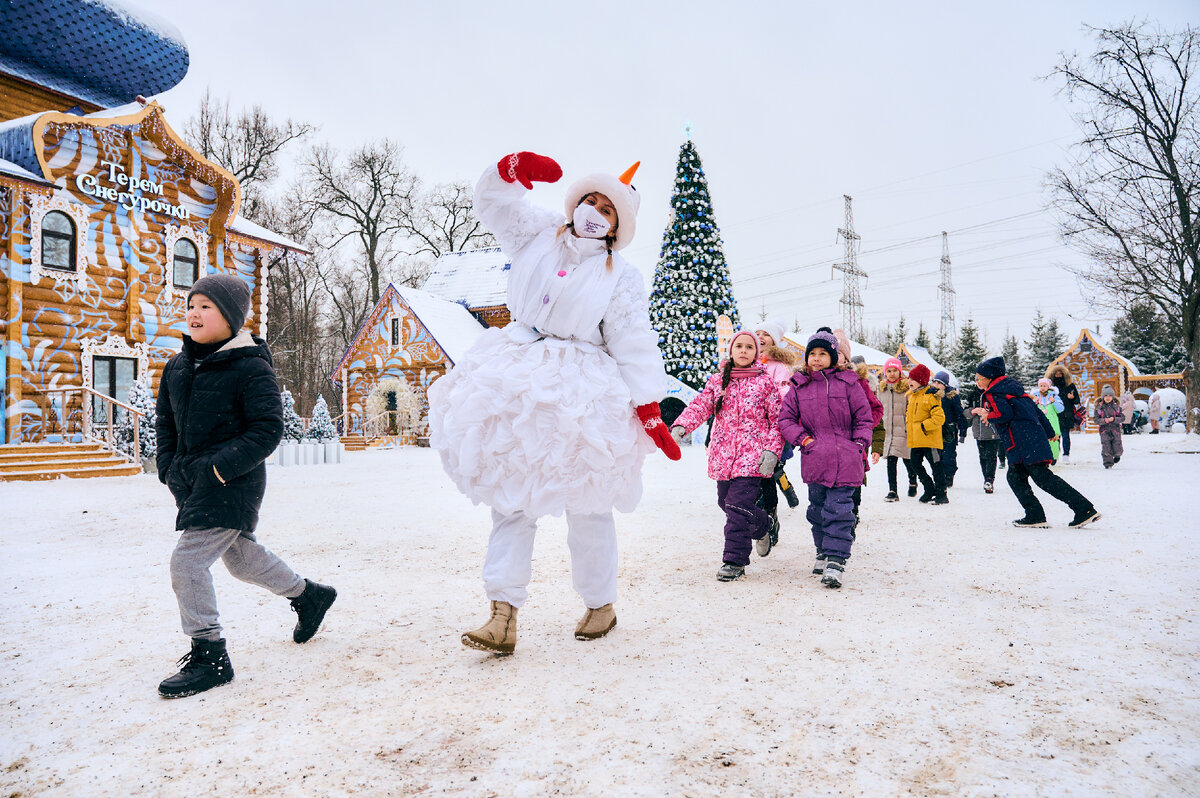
(230, 294)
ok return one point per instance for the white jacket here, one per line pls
(559, 286)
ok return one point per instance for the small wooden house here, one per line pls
(410, 335)
(1093, 364)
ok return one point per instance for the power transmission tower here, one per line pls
(852, 305)
(947, 333)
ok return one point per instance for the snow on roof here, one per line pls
(873, 356)
(10, 168)
(922, 355)
(478, 277)
(246, 227)
(103, 52)
(450, 324)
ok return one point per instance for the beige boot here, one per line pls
(596, 623)
(499, 634)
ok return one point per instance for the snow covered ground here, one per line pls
(963, 657)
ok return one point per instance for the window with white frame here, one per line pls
(186, 264)
(57, 237)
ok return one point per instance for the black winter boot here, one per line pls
(204, 667)
(789, 491)
(311, 606)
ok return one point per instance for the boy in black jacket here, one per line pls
(1025, 432)
(219, 417)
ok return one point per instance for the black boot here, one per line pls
(311, 606)
(789, 491)
(912, 489)
(204, 667)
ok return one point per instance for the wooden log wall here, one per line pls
(125, 255)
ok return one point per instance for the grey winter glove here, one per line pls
(767, 462)
(678, 433)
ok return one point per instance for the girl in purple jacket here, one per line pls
(743, 401)
(826, 416)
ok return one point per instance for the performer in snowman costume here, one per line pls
(556, 412)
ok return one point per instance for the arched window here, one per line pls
(187, 264)
(58, 241)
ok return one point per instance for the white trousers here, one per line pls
(592, 539)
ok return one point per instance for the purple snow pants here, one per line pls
(744, 519)
(831, 513)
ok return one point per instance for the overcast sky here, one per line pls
(932, 116)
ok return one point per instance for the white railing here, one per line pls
(87, 411)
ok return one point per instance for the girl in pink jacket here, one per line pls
(743, 402)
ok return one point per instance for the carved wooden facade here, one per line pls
(392, 343)
(1093, 365)
(131, 189)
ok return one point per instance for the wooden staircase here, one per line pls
(52, 460)
(354, 443)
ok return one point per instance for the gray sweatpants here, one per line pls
(246, 558)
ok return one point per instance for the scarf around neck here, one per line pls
(739, 373)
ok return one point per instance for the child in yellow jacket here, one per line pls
(924, 419)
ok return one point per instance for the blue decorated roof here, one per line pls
(99, 51)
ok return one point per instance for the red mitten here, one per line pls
(652, 422)
(525, 167)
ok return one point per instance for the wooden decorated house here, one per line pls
(1093, 363)
(106, 220)
(410, 339)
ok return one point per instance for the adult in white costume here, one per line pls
(555, 413)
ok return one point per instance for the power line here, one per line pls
(889, 247)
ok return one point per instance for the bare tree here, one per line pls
(444, 221)
(248, 143)
(1129, 201)
(367, 198)
(298, 309)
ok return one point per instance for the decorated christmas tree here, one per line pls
(293, 426)
(691, 280)
(142, 399)
(321, 428)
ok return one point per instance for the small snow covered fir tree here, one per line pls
(321, 428)
(142, 400)
(967, 353)
(293, 426)
(1045, 344)
(691, 280)
(1013, 362)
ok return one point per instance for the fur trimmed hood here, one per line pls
(780, 354)
(899, 386)
(918, 389)
(1061, 370)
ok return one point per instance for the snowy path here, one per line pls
(963, 657)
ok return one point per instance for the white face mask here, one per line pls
(588, 221)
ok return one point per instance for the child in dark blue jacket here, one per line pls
(1025, 434)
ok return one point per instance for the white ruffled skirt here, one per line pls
(544, 426)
